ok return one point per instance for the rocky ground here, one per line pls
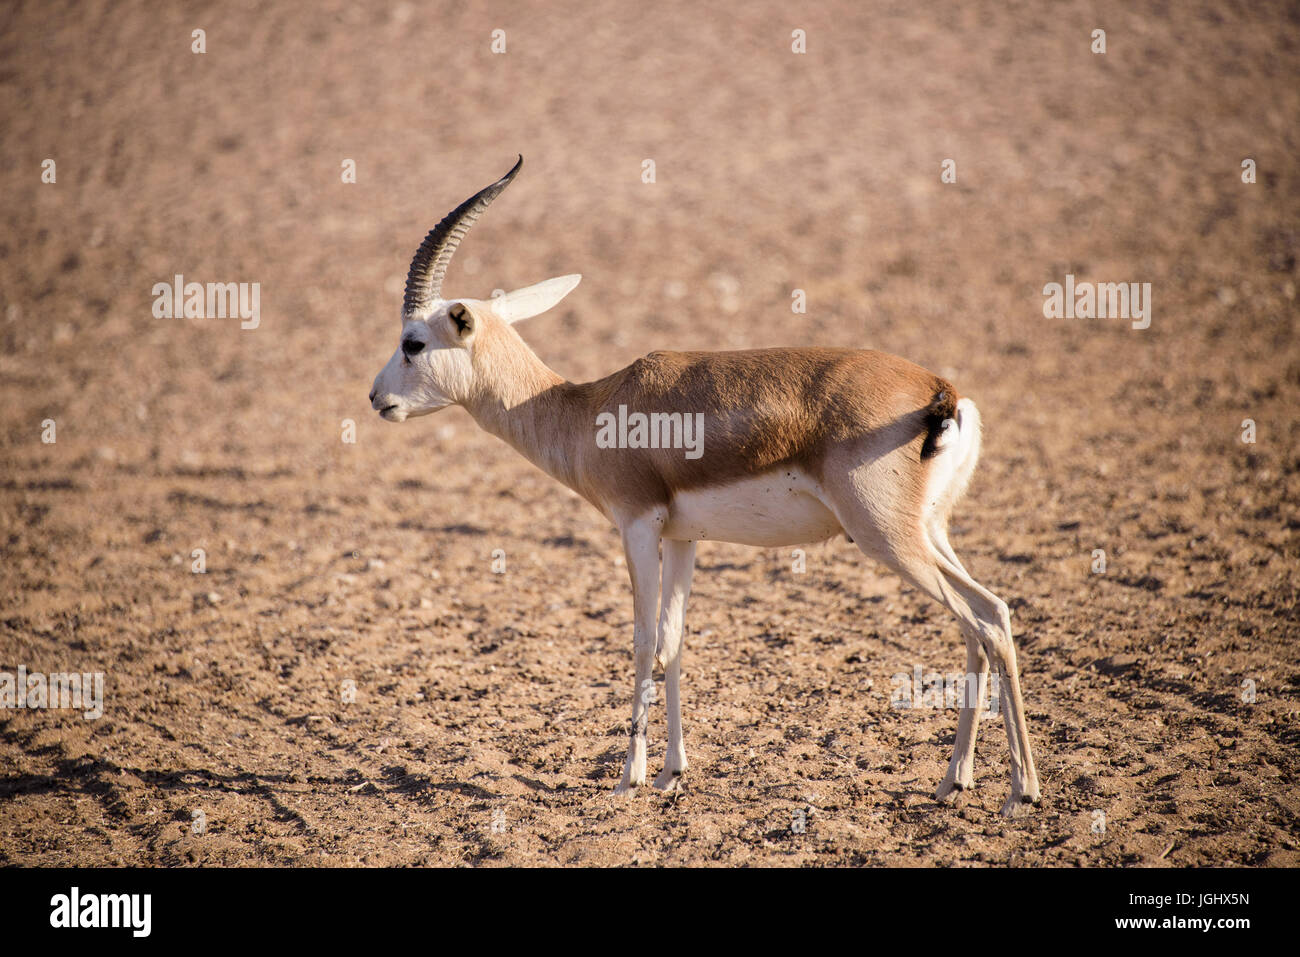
(351, 682)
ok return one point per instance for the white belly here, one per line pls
(779, 508)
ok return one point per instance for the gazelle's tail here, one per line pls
(952, 446)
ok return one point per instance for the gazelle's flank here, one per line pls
(800, 445)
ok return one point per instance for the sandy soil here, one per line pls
(490, 710)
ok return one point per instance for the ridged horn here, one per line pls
(424, 279)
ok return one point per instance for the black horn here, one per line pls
(424, 280)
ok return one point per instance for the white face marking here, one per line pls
(429, 371)
(774, 509)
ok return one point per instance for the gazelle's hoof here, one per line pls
(669, 780)
(1016, 802)
(950, 788)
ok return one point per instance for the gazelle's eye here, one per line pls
(411, 346)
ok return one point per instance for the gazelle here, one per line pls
(799, 445)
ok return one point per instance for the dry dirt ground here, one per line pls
(490, 710)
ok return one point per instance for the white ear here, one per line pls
(533, 300)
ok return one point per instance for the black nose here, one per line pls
(372, 395)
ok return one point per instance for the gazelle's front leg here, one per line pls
(679, 562)
(641, 545)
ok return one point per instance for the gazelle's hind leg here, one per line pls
(994, 632)
(986, 626)
(939, 540)
(961, 770)
(925, 560)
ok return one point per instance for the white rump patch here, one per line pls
(957, 450)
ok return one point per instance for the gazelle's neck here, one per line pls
(521, 400)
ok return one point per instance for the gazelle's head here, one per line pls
(432, 367)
